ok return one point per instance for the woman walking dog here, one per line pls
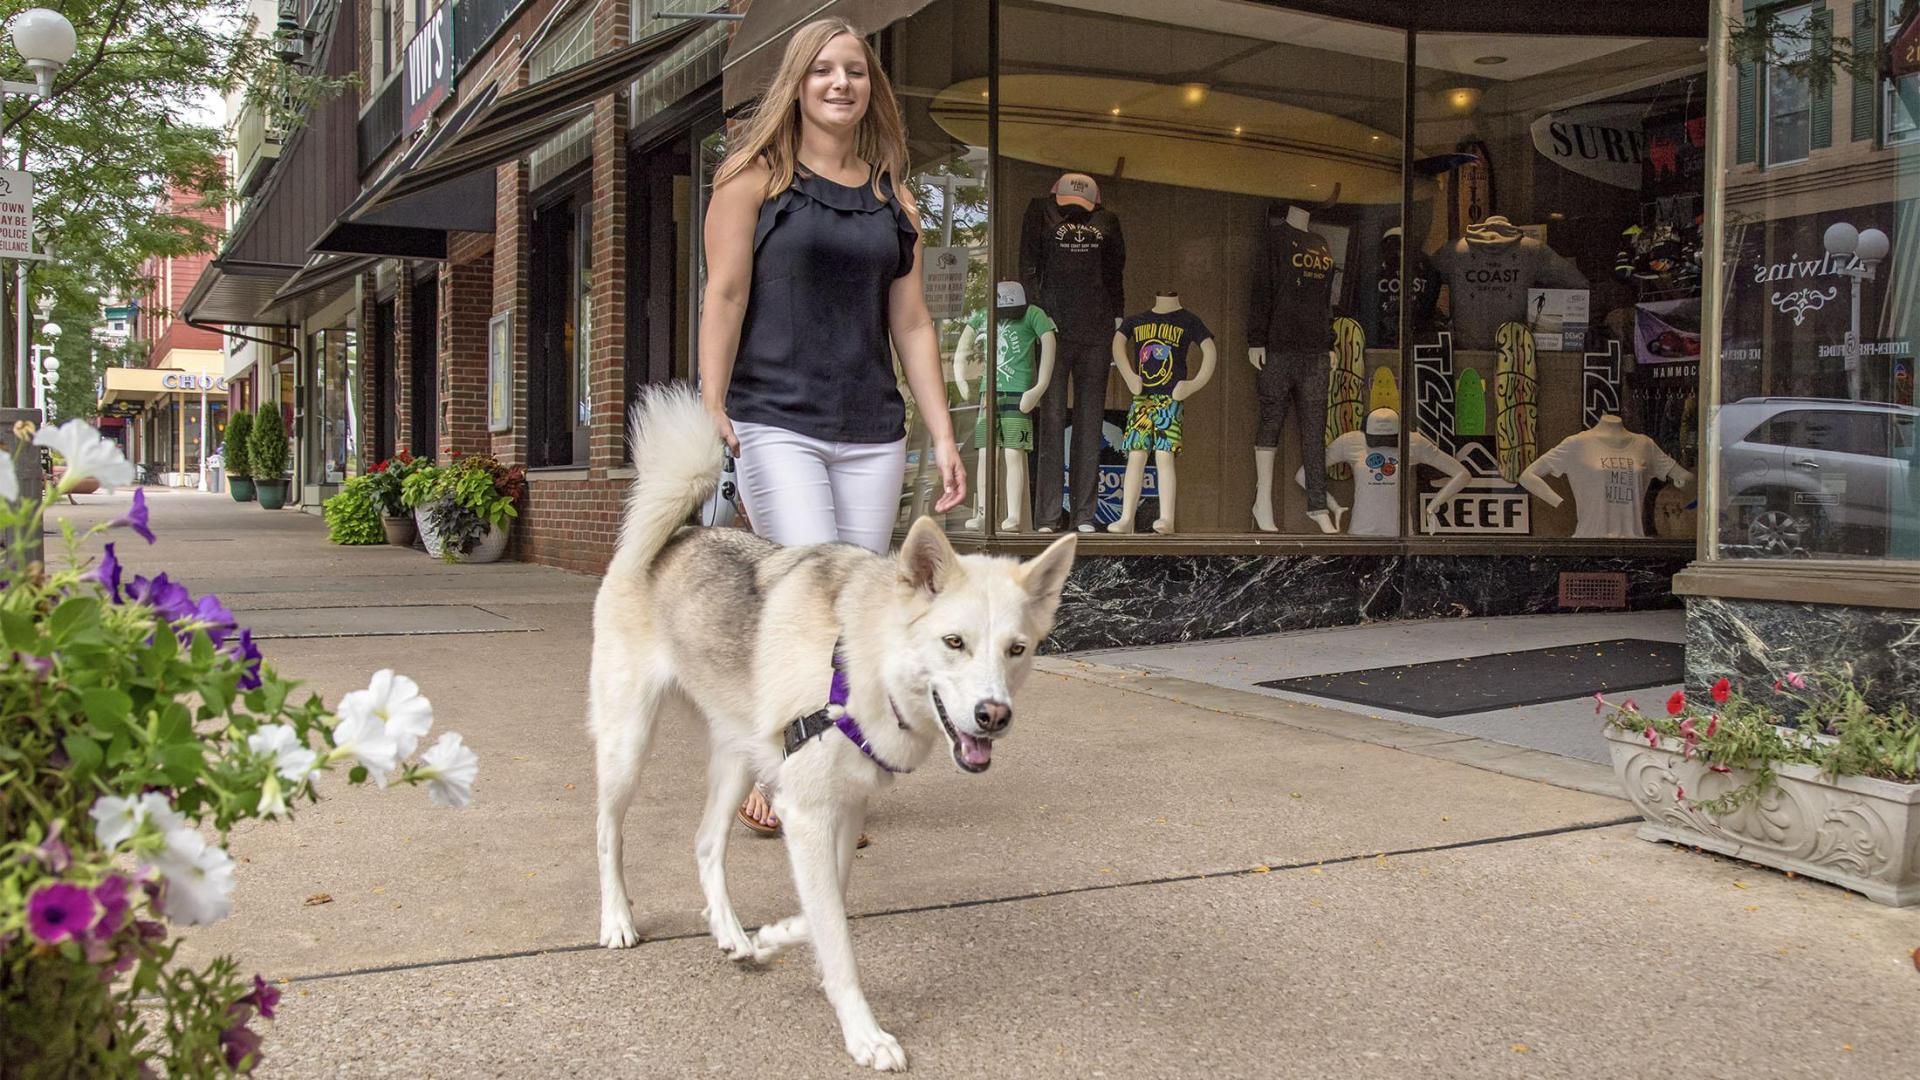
(813, 285)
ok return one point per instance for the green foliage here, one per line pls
(353, 514)
(1822, 720)
(465, 499)
(234, 450)
(387, 481)
(267, 443)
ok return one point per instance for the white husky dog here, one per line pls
(915, 651)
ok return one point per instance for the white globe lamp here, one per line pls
(46, 40)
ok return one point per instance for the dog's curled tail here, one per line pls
(677, 456)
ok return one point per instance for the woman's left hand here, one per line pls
(953, 476)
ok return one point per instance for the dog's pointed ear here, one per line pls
(927, 561)
(1045, 574)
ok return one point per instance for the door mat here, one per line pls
(1475, 684)
(376, 621)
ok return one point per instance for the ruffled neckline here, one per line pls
(839, 196)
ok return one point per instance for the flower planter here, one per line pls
(242, 488)
(272, 493)
(489, 549)
(1856, 832)
(400, 529)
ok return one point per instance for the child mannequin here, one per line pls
(1016, 389)
(1161, 340)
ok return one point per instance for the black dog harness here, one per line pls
(835, 715)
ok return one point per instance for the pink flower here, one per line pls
(1721, 691)
(1719, 768)
(59, 911)
(1687, 732)
(1629, 706)
(1776, 686)
(1677, 703)
(1680, 793)
(1796, 680)
(1713, 724)
(1652, 736)
(1599, 703)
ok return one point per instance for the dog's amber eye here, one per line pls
(953, 641)
(1017, 649)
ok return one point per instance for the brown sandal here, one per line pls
(764, 829)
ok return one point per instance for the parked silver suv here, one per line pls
(1813, 476)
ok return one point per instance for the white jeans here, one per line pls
(802, 490)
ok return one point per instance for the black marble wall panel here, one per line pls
(1130, 600)
(1756, 641)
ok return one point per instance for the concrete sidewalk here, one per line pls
(1158, 878)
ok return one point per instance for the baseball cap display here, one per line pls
(1078, 188)
(1009, 294)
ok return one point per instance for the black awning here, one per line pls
(324, 279)
(761, 41)
(415, 226)
(517, 122)
(234, 293)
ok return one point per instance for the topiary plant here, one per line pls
(267, 444)
(353, 515)
(233, 450)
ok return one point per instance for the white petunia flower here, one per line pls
(291, 758)
(396, 702)
(273, 801)
(155, 808)
(9, 481)
(199, 878)
(365, 739)
(449, 772)
(115, 819)
(86, 453)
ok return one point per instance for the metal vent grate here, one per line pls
(1593, 589)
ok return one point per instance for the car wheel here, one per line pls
(1777, 533)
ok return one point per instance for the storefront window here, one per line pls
(1789, 93)
(1813, 428)
(338, 365)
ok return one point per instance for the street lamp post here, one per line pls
(1863, 250)
(46, 367)
(45, 39)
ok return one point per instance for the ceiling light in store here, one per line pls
(1193, 93)
(1489, 61)
(1115, 110)
(1462, 99)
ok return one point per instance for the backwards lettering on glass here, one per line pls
(1801, 301)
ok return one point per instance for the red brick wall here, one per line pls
(403, 359)
(466, 301)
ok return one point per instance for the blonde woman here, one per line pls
(813, 285)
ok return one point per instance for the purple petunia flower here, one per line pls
(136, 517)
(240, 1043)
(212, 616)
(39, 665)
(151, 932)
(168, 599)
(263, 997)
(59, 911)
(108, 574)
(243, 649)
(111, 895)
(53, 851)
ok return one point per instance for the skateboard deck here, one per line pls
(1515, 389)
(1346, 366)
(1384, 391)
(1469, 403)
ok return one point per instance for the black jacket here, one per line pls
(1072, 263)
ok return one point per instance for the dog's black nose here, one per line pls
(993, 716)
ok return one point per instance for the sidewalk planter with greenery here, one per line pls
(353, 514)
(143, 726)
(233, 452)
(1807, 778)
(465, 508)
(267, 457)
(387, 481)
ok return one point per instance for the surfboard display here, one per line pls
(1469, 403)
(1345, 370)
(1384, 391)
(1515, 395)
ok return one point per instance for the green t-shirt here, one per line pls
(1018, 355)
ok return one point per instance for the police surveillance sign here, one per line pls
(16, 214)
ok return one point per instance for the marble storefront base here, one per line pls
(1130, 600)
(1755, 641)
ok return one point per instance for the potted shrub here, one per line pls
(465, 508)
(155, 731)
(1807, 777)
(387, 483)
(233, 451)
(417, 489)
(267, 457)
(353, 514)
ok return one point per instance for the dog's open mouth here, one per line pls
(971, 753)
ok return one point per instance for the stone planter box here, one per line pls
(1853, 831)
(489, 549)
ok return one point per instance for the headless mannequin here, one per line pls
(1611, 429)
(1384, 424)
(1263, 456)
(1163, 303)
(1014, 460)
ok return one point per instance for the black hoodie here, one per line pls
(1072, 262)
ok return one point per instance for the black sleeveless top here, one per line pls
(814, 352)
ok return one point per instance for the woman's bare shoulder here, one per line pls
(748, 187)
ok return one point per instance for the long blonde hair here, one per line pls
(773, 131)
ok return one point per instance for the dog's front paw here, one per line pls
(616, 930)
(877, 1050)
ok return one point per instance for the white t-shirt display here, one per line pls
(1376, 478)
(1609, 468)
